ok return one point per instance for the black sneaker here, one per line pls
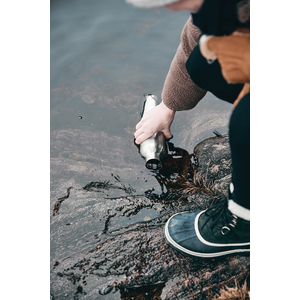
(210, 233)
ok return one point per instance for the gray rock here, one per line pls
(213, 158)
(107, 236)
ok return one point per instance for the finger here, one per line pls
(214, 44)
(138, 133)
(138, 125)
(233, 75)
(167, 134)
(142, 138)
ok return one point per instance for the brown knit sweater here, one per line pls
(179, 91)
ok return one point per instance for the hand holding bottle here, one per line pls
(157, 119)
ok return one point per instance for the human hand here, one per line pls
(157, 119)
(233, 54)
(191, 5)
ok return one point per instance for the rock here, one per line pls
(114, 244)
(213, 159)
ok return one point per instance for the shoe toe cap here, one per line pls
(180, 232)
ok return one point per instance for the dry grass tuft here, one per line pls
(236, 293)
(195, 186)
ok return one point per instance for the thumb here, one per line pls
(168, 134)
(215, 44)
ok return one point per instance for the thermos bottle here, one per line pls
(154, 149)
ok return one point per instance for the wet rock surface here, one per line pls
(107, 239)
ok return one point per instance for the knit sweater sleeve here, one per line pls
(179, 91)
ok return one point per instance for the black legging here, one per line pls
(209, 77)
(239, 139)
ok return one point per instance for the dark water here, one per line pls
(104, 56)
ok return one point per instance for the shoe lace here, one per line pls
(221, 211)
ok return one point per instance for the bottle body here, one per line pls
(154, 149)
